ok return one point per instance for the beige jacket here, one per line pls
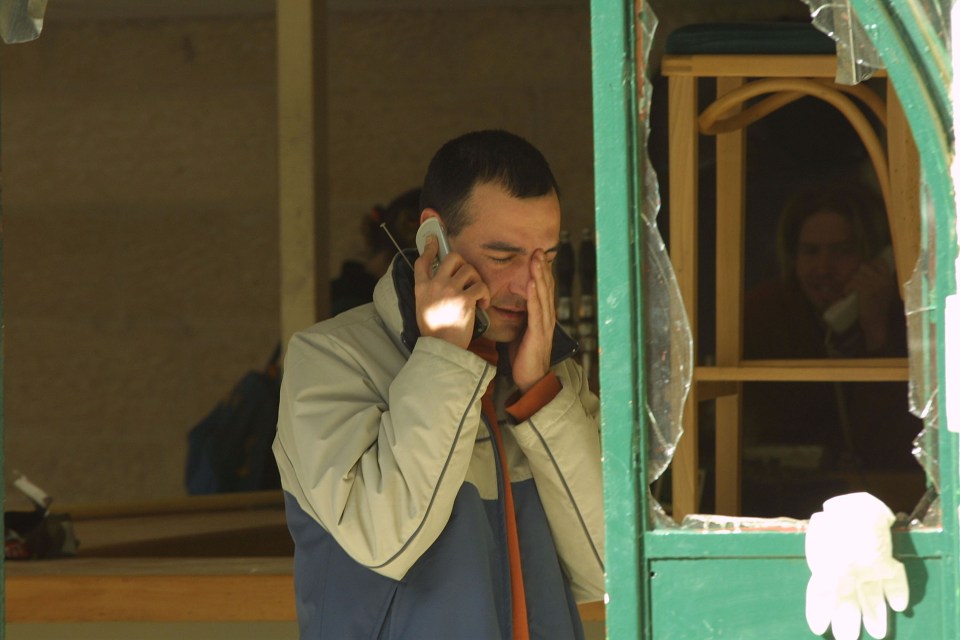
(375, 441)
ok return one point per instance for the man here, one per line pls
(440, 485)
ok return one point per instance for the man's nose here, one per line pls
(520, 277)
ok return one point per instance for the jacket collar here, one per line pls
(396, 305)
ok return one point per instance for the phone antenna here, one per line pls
(383, 225)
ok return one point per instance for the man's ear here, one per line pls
(428, 213)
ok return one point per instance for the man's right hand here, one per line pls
(447, 300)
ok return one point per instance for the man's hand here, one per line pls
(531, 353)
(447, 299)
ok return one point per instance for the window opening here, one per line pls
(669, 340)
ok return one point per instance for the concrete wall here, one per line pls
(140, 199)
(140, 204)
(140, 227)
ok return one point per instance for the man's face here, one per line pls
(499, 241)
(827, 258)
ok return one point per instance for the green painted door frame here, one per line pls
(616, 171)
(3, 498)
(668, 583)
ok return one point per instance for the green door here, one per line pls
(665, 582)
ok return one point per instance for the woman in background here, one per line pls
(836, 297)
(356, 281)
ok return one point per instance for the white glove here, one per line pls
(849, 552)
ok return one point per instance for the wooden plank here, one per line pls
(773, 370)
(684, 470)
(727, 456)
(683, 254)
(731, 197)
(829, 363)
(217, 525)
(684, 189)
(751, 66)
(731, 200)
(167, 598)
(260, 533)
(711, 390)
(152, 590)
(135, 567)
(179, 505)
(904, 212)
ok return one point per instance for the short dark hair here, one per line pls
(857, 204)
(481, 157)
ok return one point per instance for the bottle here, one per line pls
(565, 265)
(586, 317)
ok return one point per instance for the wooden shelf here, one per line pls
(223, 558)
(846, 370)
(752, 66)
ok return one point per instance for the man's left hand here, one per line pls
(530, 354)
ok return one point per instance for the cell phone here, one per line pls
(433, 227)
(844, 313)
